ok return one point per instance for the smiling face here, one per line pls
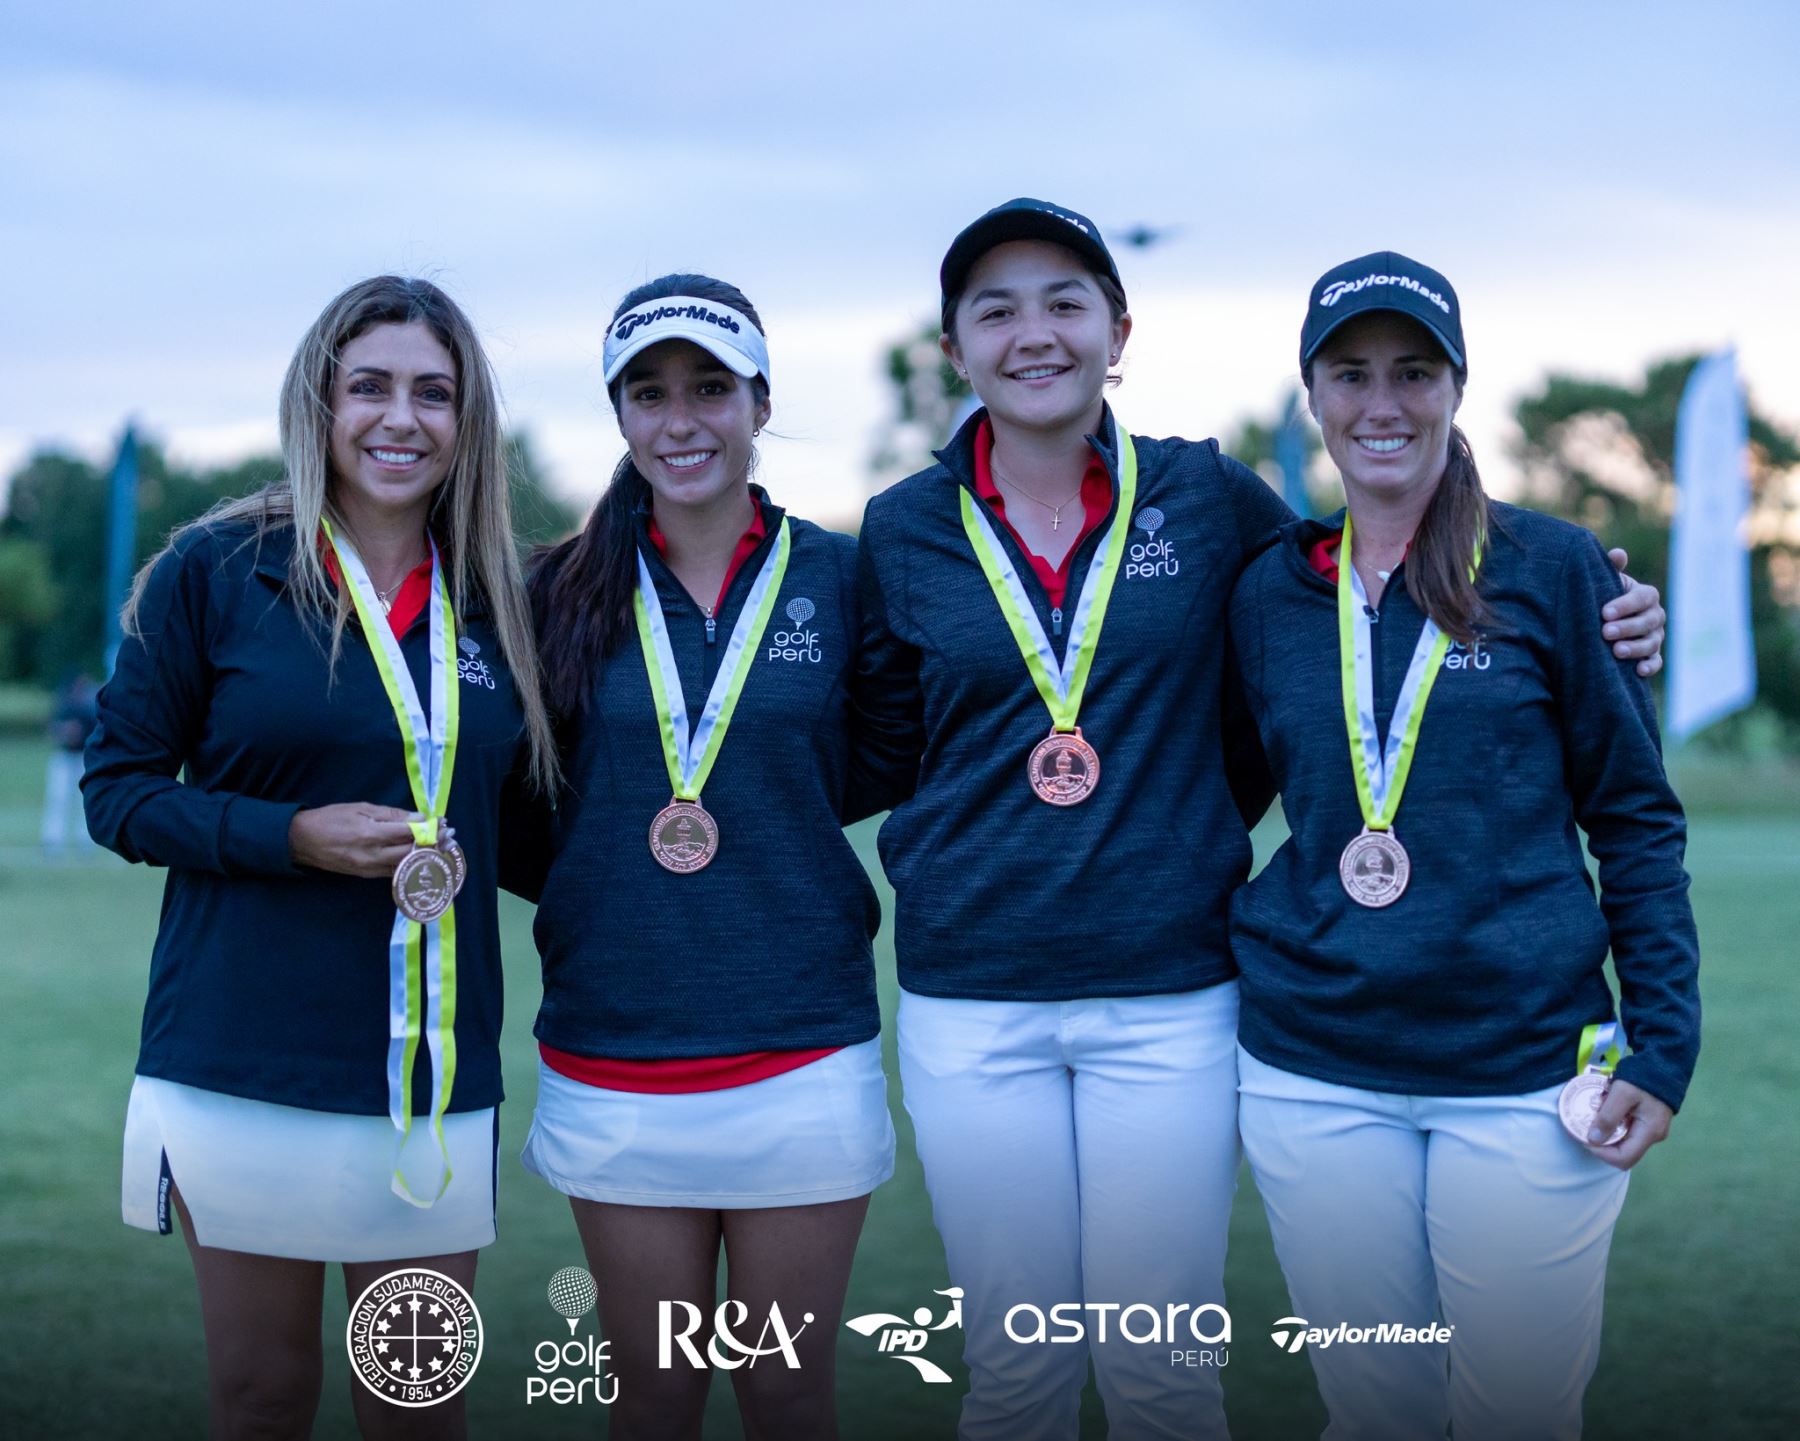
(393, 421)
(689, 423)
(1035, 335)
(1385, 397)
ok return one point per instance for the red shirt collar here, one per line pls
(745, 548)
(1096, 501)
(1323, 557)
(409, 601)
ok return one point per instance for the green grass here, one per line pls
(100, 1332)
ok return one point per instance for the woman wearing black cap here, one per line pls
(1064, 866)
(1427, 1029)
(710, 1076)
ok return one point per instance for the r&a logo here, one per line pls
(726, 1320)
(897, 1334)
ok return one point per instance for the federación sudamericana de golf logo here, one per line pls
(414, 1338)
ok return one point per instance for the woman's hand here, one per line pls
(357, 839)
(1624, 1105)
(1635, 621)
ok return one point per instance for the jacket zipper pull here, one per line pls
(1373, 614)
(712, 629)
(1056, 620)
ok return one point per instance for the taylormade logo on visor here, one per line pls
(1338, 289)
(640, 318)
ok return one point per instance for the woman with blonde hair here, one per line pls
(325, 692)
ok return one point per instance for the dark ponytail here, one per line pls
(581, 590)
(1443, 550)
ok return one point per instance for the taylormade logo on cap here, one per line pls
(1338, 289)
(638, 318)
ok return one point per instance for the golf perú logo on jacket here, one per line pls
(1150, 556)
(470, 666)
(797, 643)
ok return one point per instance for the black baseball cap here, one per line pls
(1385, 280)
(1024, 219)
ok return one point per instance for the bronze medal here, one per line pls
(1374, 869)
(424, 884)
(1064, 768)
(1580, 1102)
(459, 864)
(683, 837)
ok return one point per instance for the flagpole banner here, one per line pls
(1712, 660)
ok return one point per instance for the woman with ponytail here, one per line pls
(325, 693)
(1432, 1098)
(710, 1073)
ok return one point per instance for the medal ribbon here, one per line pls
(421, 958)
(1060, 683)
(1380, 778)
(1599, 1047)
(690, 757)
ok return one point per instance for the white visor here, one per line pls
(728, 334)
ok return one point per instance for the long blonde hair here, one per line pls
(471, 517)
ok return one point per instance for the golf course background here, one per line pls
(100, 1329)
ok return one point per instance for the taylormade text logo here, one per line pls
(1338, 289)
(639, 319)
(1291, 1333)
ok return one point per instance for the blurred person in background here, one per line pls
(73, 714)
(325, 691)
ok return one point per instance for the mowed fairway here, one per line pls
(100, 1331)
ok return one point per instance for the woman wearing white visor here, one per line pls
(711, 1074)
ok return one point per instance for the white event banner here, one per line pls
(1712, 659)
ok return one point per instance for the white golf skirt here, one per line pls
(311, 1185)
(819, 1133)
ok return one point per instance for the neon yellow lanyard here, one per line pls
(421, 958)
(1061, 683)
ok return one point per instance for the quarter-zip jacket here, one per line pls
(998, 895)
(1480, 978)
(269, 980)
(770, 946)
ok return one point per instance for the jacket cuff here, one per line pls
(1664, 1082)
(254, 836)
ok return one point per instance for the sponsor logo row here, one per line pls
(415, 1336)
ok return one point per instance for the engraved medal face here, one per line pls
(683, 837)
(1064, 769)
(424, 884)
(459, 864)
(1374, 869)
(1580, 1102)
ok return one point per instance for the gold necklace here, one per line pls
(1055, 510)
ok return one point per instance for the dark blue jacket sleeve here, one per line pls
(527, 831)
(1635, 830)
(887, 705)
(151, 712)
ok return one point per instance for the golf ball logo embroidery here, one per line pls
(414, 1338)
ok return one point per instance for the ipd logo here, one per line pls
(900, 1335)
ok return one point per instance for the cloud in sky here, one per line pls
(185, 186)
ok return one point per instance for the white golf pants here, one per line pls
(1080, 1152)
(1476, 1211)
